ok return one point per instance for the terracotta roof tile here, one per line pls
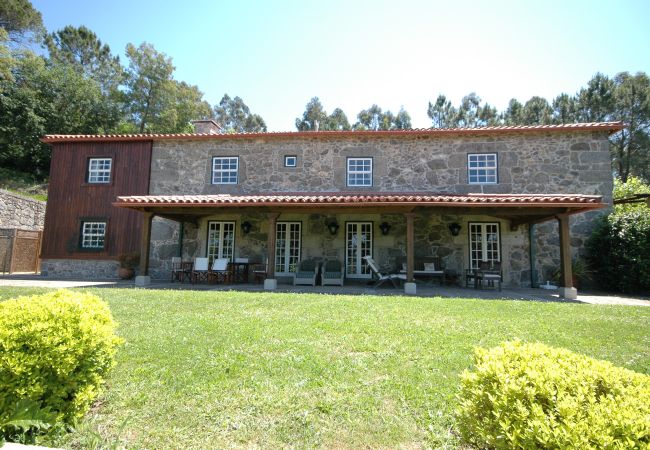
(603, 126)
(354, 199)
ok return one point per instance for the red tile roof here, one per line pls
(357, 199)
(611, 127)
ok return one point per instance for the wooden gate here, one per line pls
(19, 250)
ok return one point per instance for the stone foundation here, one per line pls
(79, 269)
(21, 212)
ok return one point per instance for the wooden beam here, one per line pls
(147, 217)
(270, 245)
(410, 237)
(566, 277)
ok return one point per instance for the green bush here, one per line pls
(619, 251)
(55, 350)
(527, 396)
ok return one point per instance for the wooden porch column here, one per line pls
(145, 242)
(566, 278)
(270, 245)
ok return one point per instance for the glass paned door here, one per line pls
(287, 247)
(483, 243)
(221, 240)
(358, 243)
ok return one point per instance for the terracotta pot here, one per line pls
(125, 273)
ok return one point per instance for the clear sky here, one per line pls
(277, 55)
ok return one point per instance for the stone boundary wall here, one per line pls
(17, 211)
(80, 269)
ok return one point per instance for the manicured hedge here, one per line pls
(55, 349)
(531, 396)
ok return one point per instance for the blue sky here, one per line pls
(276, 55)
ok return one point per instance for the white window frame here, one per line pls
(219, 248)
(487, 236)
(93, 235)
(224, 175)
(482, 168)
(288, 158)
(353, 172)
(288, 247)
(356, 249)
(99, 170)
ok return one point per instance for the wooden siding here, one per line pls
(71, 199)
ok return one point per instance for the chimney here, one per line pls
(206, 126)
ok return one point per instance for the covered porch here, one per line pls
(398, 228)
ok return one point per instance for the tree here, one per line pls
(564, 109)
(235, 117)
(313, 117)
(536, 111)
(338, 121)
(442, 113)
(20, 20)
(513, 115)
(149, 85)
(403, 120)
(596, 101)
(184, 104)
(374, 118)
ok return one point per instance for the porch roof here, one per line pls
(520, 208)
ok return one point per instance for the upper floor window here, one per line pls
(482, 168)
(359, 171)
(290, 161)
(99, 170)
(93, 234)
(224, 170)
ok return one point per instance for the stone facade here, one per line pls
(21, 212)
(79, 269)
(528, 163)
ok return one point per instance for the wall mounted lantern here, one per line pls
(385, 228)
(454, 229)
(333, 227)
(246, 227)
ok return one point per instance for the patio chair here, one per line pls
(306, 273)
(259, 272)
(200, 270)
(219, 272)
(382, 278)
(490, 272)
(332, 273)
(177, 269)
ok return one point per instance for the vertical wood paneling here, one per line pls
(71, 199)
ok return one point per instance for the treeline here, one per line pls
(80, 87)
(624, 97)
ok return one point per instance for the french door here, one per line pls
(221, 240)
(287, 246)
(483, 243)
(358, 243)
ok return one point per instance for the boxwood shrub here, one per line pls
(55, 349)
(527, 396)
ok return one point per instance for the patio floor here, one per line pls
(350, 288)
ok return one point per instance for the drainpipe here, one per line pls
(533, 255)
(180, 239)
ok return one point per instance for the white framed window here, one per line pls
(93, 234)
(224, 169)
(482, 168)
(99, 170)
(484, 243)
(287, 246)
(221, 240)
(358, 243)
(290, 161)
(359, 172)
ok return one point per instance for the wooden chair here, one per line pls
(177, 269)
(332, 273)
(382, 278)
(306, 273)
(490, 272)
(259, 272)
(200, 270)
(219, 272)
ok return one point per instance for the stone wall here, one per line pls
(21, 212)
(79, 269)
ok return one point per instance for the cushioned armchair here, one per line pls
(306, 273)
(332, 273)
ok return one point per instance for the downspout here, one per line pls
(181, 231)
(532, 255)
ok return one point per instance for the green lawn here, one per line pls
(220, 369)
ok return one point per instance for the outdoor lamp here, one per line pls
(454, 228)
(333, 227)
(246, 227)
(385, 228)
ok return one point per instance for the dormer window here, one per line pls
(99, 170)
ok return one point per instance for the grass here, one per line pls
(22, 183)
(231, 369)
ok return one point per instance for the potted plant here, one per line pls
(128, 263)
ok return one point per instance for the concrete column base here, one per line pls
(570, 293)
(270, 284)
(410, 288)
(142, 280)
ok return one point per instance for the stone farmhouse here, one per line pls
(522, 195)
